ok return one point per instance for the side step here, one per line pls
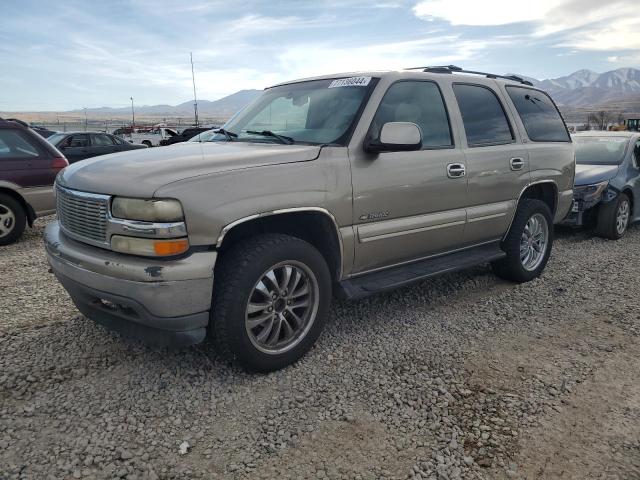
(399, 276)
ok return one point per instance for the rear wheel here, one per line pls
(147, 143)
(13, 219)
(528, 243)
(613, 218)
(271, 299)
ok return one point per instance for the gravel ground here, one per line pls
(464, 376)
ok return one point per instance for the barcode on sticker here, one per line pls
(350, 82)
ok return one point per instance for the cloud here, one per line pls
(591, 25)
(482, 13)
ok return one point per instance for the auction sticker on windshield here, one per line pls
(350, 82)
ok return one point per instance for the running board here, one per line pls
(402, 275)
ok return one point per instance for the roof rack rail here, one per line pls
(454, 68)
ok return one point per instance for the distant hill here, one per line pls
(223, 107)
(581, 89)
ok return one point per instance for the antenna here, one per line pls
(195, 100)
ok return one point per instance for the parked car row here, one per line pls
(81, 145)
(28, 168)
(336, 185)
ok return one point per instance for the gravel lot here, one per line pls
(464, 376)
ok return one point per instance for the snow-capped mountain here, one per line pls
(587, 88)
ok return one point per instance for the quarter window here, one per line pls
(485, 122)
(540, 117)
(417, 102)
(14, 145)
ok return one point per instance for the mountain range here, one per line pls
(584, 88)
(223, 107)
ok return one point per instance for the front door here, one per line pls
(406, 206)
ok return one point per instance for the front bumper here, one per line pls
(582, 208)
(163, 302)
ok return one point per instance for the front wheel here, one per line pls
(12, 220)
(270, 302)
(613, 218)
(528, 243)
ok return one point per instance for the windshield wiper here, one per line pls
(269, 133)
(229, 135)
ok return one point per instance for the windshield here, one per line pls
(314, 112)
(55, 138)
(600, 150)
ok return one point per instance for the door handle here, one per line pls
(456, 170)
(516, 163)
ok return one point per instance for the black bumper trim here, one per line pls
(129, 318)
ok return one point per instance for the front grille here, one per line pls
(83, 215)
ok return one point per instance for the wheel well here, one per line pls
(31, 215)
(546, 192)
(316, 228)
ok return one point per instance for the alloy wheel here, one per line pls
(7, 220)
(282, 307)
(622, 217)
(533, 243)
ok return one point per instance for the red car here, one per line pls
(28, 168)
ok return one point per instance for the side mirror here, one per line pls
(396, 137)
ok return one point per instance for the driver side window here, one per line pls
(418, 102)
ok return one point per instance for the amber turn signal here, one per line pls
(164, 248)
(149, 247)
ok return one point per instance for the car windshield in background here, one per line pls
(314, 112)
(600, 150)
(55, 138)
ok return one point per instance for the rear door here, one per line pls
(497, 163)
(22, 161)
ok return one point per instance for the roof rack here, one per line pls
(453, 68)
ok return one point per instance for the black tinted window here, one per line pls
(416, 102)
(485, 122)
(539, 115)
(75, 141)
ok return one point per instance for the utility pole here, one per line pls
(85, 119)
(133, 116)
(195, 100)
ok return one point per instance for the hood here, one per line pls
(588, 174)
(139, 173)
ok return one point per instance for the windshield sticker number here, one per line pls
(350, 82)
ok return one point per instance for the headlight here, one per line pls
(151, 210)
(591, 192)
(149, 247)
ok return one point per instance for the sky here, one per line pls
(69, 54)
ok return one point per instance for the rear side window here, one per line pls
(540, 117)
(417, 102)
(485, 122)
(14, 145)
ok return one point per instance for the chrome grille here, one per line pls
(83, 215)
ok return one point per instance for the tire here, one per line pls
(244, 319)
(609, 216)
(147, 143)
(517, 266)
(13, 219)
